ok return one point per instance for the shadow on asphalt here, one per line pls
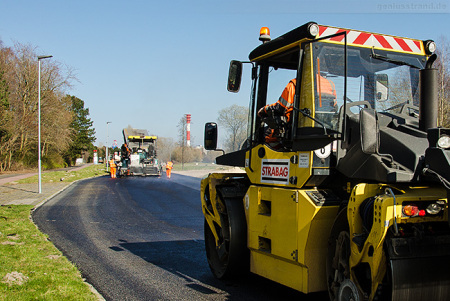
(180, 257)
(186, 259)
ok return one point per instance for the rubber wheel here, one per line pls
(230, 258)
(348, 291)
(338, 268)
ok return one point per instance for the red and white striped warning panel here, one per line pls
(373, 40)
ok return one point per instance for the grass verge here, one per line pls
(67, 176)
(31, 267)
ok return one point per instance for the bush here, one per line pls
(187, 154)
(53, 161)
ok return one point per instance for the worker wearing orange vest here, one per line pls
(326, 91)
(285, 104)
(282, 107)
(112, 168)
(169, 167)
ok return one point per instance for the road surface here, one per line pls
(141, 238)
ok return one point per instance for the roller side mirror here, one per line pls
(234, 76)
(211, 136)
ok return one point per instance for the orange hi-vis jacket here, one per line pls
(326, 90)
(169, 165)
(284, 105)
(112, 163)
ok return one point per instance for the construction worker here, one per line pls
(112, 167)
(125, 153)
(280, 110)
(118, 163)
(169, 166)
(326, 95)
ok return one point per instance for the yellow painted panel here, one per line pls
(317, 246)
(293, 227)
(283, 221)
(307, 91)
(272, 221)
(284, 272)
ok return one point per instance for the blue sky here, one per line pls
(147, 63)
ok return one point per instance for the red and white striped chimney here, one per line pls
(188, 129)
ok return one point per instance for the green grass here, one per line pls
(67, 176)
(43, 273)
(46, 273)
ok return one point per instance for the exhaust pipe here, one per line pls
(429, 104)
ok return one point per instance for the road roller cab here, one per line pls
(354, 197)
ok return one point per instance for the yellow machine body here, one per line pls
(290, 208)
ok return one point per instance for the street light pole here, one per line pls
(41, 57)
(107, 136)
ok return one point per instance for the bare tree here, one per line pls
(182, 142)
(19, 69)
(443, 65)
(5, 112)
(187, 154)
(234, 119)
(182, 131)
(165, 148)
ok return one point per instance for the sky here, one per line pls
(148, 63)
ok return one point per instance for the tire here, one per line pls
(230, 258)
(340, 287)
(337, 267)
(348, 291)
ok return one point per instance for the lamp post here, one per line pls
(41, 57)
(107, 136)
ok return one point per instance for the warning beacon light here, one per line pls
(264, 34)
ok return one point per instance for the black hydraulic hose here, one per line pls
(443, 180)
(430, 61)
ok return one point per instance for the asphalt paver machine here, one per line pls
(354, 199)
(142, 154)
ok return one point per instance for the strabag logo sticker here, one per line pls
(275, 171)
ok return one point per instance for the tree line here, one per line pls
(66, 129)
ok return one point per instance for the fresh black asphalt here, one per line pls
(141, 238)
